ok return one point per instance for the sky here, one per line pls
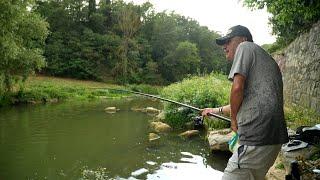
(219, 15)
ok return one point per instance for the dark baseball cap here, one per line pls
(235, 31)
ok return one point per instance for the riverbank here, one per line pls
(44, 89)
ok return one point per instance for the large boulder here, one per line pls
(160, 127)
(218, 139)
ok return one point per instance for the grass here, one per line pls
(42, 89)
(297, 116)
(279, 166)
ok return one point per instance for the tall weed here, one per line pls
(206, 91)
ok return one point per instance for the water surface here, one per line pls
(79, 140)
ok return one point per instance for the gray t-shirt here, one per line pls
(260, 117)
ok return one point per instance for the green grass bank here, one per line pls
(44, 89)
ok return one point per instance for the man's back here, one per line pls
(260, 117)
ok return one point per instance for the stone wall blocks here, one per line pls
(302, 73)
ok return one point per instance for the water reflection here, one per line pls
(190, 167)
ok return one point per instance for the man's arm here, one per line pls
(236, 98)
(225, 110)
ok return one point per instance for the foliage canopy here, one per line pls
(131, 43)
(22, 35)
(290, 17)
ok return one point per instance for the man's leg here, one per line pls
(251, 162)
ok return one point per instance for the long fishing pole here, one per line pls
(169, 100)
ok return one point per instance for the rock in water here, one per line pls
(111, 110)
(139, 172)
(190, 133)
(160, 127)
(218, 140)
(137, 109)
(152, 110)
(153, 136)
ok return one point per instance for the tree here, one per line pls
(22, 34)
(92, 7)
(128, 24)
(164, 35)
(290, 17)
(183, 61)
(212, 56)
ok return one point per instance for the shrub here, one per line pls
(207, 91)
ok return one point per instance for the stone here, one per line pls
(151, 163)
(149, 110)
(139, 172)
(218, 139)
(152, 110)
(137, 109)
(189, 133)
(160, 127)
(153, 136)
(111, 110)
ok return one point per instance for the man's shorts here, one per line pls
(251, 162)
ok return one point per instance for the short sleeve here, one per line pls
(242, 62)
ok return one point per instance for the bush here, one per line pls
(207, 91)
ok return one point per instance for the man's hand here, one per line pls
(206, 111)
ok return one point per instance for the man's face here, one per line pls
(230, 47)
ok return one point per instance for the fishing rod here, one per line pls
(169, 100)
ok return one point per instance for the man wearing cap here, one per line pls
(256, 106)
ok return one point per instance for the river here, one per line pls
(79, 140)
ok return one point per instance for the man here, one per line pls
(256, 106)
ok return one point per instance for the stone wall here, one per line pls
(300, 65)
